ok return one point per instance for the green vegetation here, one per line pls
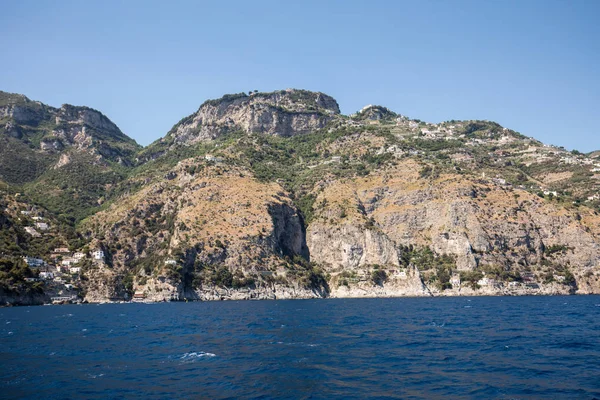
(375, 112)
(555, 248)
(74, 190)
(305, 206)
(287, 161)
(15, 242)
(19, 163)
(12, 98)
(435, 145)
(378, 275)
(501, 273)
(13, 275)
(471, 277)
(437, 268)
(424, 258)
(310, 275)
(228, 98)
(221, 276)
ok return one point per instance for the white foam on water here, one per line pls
(467, 307)
(193, 355)
(7, 322)
(10, 333)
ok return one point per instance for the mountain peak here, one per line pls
(297, 100)
(372, 112)
(287, 112)
(7, 98)
(29, 129)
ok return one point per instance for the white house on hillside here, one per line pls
(42, 226)
(33, 262)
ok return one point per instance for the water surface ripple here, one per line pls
(480, 347)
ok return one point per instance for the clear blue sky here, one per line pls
(532, 66)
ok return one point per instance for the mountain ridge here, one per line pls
(279, 195)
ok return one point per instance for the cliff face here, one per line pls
(215, 226)
(284, 113)
(482, 226)
(86, 129)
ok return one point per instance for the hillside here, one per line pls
(63, 158)
(278, 195)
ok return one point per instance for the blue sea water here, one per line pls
(479, 347)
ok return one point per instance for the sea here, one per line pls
(404, 348)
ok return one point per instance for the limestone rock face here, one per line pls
(288, 234)
(104, 284)
(407, 282)
(89, 130)
(370, 221)
(30, 113)
(84, 116)
(349, 246)
(284, 113)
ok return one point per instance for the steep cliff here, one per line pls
(504, 232)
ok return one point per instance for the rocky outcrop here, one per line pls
(289, 235)
(22, 298)
(23, 111)
(87, 117)
(398, 282)
(349, 246)
(58, 129)
(283, 113)
(375, 113)
(482, 226)
(105, 284)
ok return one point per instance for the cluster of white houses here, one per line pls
(66, 262)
